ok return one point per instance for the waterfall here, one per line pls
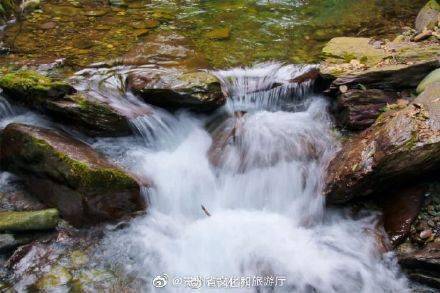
(263, 226)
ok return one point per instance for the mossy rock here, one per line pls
(346, 49)
(219, 34)
(60, 101)
(91, 116)
(25, 221)
(70, 175)
(428, 16)
(429, 79)
(32, 88)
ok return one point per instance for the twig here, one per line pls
(206, 211)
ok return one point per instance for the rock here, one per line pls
(48, 25)
(346, 49)
(9, 242)
(32, 88)
(68, 174)
(151, 23)
(218, 34)
(57, 99)
(428, 16)
(422, 36)
(118, 3)
(423, 265)
(25, 221)
(57, 277)
(96, 13)
(390, 78)
(430, 78)
(395, 66)
(358, 109)
(400, 209)
(425, 234)
(94, 117)
(401, 144)
(174, 89)
(19, 200)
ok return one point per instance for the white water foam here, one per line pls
(266, 219)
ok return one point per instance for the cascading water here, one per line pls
(264, 228)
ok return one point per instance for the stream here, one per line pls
(256, 222)
(236, 197)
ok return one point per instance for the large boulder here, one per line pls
(428, 16)
(68, 174)
(401, 144)
(358, 109)
(59, 101)
(173, 89)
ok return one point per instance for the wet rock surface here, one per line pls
(400, 210)
(68, 174)
(359, 109)
(401, 144)
(173, 89)
(60, 102)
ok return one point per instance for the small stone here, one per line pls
(48, 25)
(141, 32)
(422, 36)
(218, 34)
(95, 13)
(83, 43)
(425, 234)
(378, 44)
(343, 89)
(118, 3)
(431, 223)
(151, 23)
(402, 103)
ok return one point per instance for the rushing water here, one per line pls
(257, 220)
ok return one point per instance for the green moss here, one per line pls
(32, 86)
(24, 221)
(56, 277)
(78, 174)
(25, 79)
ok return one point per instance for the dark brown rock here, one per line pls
(390, 78)
(68, 174)
(358, 109)
(401, 144)
(400, 209)
(423, 265)
(173, 89)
